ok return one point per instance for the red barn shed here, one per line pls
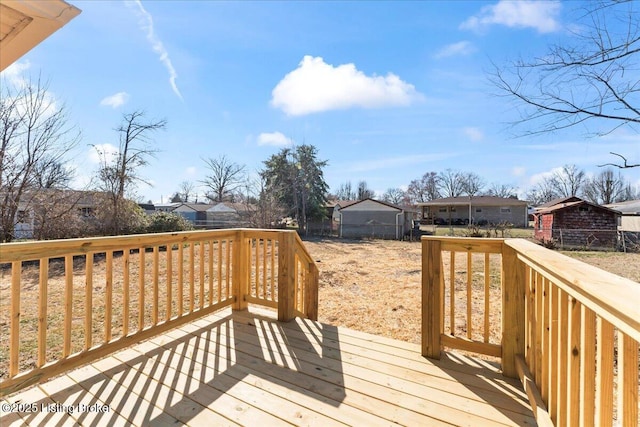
(577, 223)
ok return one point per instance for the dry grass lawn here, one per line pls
(374, 286)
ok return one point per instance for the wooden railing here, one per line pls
(570, 331)
(65, 303)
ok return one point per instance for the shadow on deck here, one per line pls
(245, 368)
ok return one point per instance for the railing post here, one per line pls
(431, 298)
(513, 310)
(286, 275)
(311, 293)
(240, 268)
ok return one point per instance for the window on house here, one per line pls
(478, 210)
(505, 210)
(442, 210)
(539, 222)
(86, 212)
(583, 208)
(453, 209)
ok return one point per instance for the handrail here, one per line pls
(562, 321)
(128, 288)
(307, 290)
(302, 249)
(22, 251)
(611, 297)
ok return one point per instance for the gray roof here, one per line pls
(558, 201)
(567, 205)
(630, 207)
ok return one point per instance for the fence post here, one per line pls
(431, 298)
(240, 268)
(286, 276)
(513, 310)
(311, 293)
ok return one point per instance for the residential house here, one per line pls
(196, 213)
(630, 215)
(34, 206)
(475, 210)
(211, 216)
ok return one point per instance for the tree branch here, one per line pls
(623, 166)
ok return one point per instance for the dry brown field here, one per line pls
(374, 285)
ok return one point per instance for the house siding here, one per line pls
(517, 215)
(370, 224)
(579, 226)
(594, 227)
(543, 227)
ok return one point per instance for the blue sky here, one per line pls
(385, 90)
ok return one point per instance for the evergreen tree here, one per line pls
(295, 178)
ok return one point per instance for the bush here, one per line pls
(473, 230)
(549, 244)
(131, 219)
(161, 222)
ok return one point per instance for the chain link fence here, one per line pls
(591, 239)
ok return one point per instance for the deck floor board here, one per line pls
(245, 368)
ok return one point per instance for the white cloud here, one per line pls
(100, 152)
(191, 171)
(316, 86)
(474, 134)
(461, 48)
(276, 139)
(539, 177)
(14, 73)
(541, 15)
(116, 100)
(146, 24)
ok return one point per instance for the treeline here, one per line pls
(605, 187)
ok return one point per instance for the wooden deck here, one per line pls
(245, 368)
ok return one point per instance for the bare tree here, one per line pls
(185, 190)
(119, 172)
(53, 174)
(451, 183)
(591, 82)
(263, 207)
(502, 190)
(631, 192)
(542, 192)
(224, 179)
(472, 183)
(395, 196)
(425, 188)
(568, 181)
(605, 188)
(35, 140)
(364, 192)
(345, 192)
